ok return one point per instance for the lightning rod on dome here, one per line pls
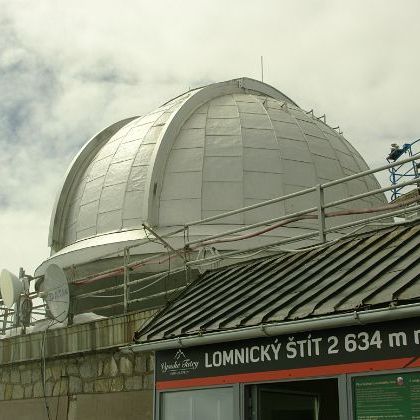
(262, 69)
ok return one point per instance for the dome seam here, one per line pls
(307, 144)
(202, 166)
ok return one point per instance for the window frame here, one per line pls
(236, 391)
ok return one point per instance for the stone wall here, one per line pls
(104, 372)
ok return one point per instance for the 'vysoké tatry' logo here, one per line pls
(180, 365)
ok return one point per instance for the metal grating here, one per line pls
(364, 271)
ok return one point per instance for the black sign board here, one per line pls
(364, 343)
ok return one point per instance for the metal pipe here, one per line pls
(126, 279)
(281, 328)
(321, 214)
(370, 171)
(164, 243)
(176, 289)
(369, 219)
(254, 206)
(369, 193)
(156, 295)
(255, 225)
(131, 283)
(262, 247)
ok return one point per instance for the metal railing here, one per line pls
(8, 316)
(134, 291)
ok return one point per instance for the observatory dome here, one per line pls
(208, 151)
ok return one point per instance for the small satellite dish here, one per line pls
(11, 288)
(57, 292)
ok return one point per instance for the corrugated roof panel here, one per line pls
(412, 289)
(369, 269)
(353, 275)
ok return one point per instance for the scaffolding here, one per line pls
(404, 171)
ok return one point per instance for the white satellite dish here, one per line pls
(57, 292)
(11, 288)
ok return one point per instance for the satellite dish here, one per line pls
(57, 292)
(11, 288)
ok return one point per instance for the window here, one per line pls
(199, 404)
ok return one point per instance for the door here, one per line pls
(282, 404)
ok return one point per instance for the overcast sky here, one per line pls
(70, 68)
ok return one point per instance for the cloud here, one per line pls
(68, 69)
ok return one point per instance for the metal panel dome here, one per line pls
(210, 150)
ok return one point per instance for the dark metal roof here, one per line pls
(365, 271)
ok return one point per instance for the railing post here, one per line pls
(126, 279)
(17, 304)
(5, 316)
(321, 214)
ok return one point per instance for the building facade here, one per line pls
(319, 322)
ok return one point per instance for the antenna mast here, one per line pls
(262, 69)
